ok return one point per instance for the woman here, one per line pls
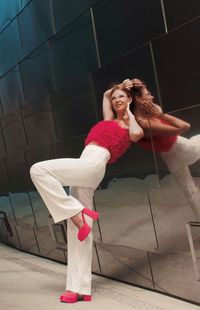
(164, 131)
(105, 143)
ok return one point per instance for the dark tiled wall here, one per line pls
(56, 59)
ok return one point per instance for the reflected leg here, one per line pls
(79, 253)
(185, 152)
(190, 189)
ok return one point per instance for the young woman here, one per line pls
(164, 131)
(105, 143)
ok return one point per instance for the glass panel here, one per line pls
(35, 155)
(193, 232)
(74, 114)
(10, 48)
(72, 57)
(8, 11)
(71, 148)
(123, 25)
(17, 172)
(173, 274)
(37, 74)
(11, 91)
(39, 123)
(4, 182)
(125, 215)
(2, 145)
(177, 55)
(5, 206)
(186, 10)
(13, 131)
(39, 154)
(35, 25)
(125, 264)
(22, 209)
(40, 210)
(182, 161)
(48, 247)
(25, 2)
(27, 238)
(66, 11)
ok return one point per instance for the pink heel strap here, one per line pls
(91, 213)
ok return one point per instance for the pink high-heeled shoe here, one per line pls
(71, 297)
(85, 229)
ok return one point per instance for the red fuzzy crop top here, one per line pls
(111, 136)
(160, 143)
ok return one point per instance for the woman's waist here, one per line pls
(158, 143)
(96, 151)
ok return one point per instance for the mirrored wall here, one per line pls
(56, 61)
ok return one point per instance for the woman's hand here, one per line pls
(137, 83)
(127, 84)
(128, 114)
(149, 107)
(135, 130)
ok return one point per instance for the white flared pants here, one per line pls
(184, 153)
(83, 175)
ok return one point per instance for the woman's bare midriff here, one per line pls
(93, 143)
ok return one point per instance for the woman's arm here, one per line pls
(149, 107)
(178, 123)
(153, 126)
(107, 107)
(135, 130)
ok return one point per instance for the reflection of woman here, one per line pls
(106, 142)
(164, 130)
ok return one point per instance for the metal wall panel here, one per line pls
(35, 25)
(10, 47)
(122, 26)
(11, 91)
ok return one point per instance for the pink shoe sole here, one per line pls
(70, 297)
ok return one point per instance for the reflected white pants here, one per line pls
(184, 153)
(83, 175)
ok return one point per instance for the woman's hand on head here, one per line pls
(150, 107)
(127, 84)
(137, 83)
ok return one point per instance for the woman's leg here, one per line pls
(191, 191)
(79, 253)
(183, 153)
(83, 175)
(49, 178)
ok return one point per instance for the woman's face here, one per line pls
(147, 95)
(120, 100)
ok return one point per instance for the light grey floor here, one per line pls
(30, 282)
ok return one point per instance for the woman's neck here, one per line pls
(120, 116)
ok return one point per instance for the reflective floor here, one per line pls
(31, 282)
